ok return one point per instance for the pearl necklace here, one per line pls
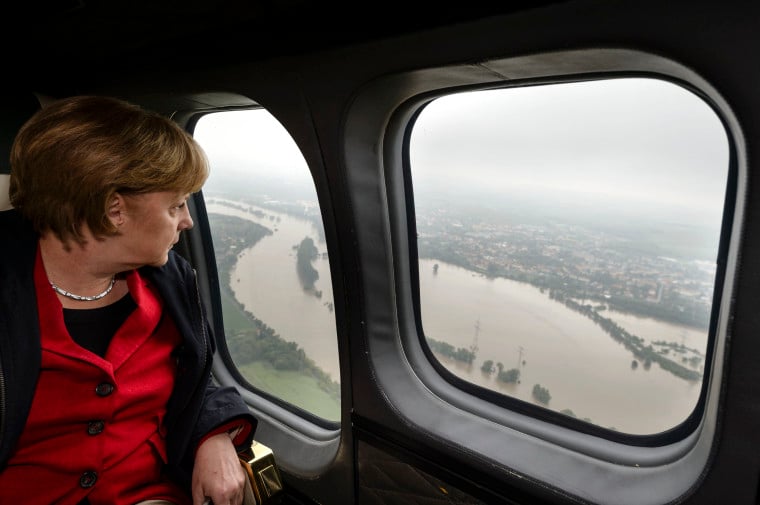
(81, 298)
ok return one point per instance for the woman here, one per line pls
(105, 351)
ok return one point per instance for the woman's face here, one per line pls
(151, 226)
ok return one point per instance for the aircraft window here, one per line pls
(567, 242)
(274, 274)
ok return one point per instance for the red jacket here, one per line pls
(95, 427)
(32, 390)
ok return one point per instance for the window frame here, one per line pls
(305, 444)
(231, 368)
(535, 449)
(675, 433)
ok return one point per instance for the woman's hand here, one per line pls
(217, 473)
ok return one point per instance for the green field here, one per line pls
(234, 316)
(295, 387)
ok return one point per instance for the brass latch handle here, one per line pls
(263, 474)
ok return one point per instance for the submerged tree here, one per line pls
(307, 252)
(541, 394)
(487, 366)
(510, 376)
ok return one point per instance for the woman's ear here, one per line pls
(115, 211)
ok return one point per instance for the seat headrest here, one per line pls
(20, 107)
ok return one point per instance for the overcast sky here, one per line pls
(619, 142)
(633, 140)
(252, 141)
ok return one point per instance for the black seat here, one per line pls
(19, 107)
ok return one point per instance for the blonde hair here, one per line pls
(70, 157)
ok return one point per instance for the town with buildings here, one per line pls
(579, 262)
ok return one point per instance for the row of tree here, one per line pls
(635, 344)
(510, 376)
